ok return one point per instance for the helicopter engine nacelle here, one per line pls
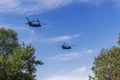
(30, 23)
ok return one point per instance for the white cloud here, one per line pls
(59, 78)
(38, 6)
(69, 56)
(91, 1)
(64, 57)
(90, 51)
(79, 71)
(31, 6)
(84, 50)
(37, 39)
(76, 74)
(61, 38)
(64, 38)
(8, 5)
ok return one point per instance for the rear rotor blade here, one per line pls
(27, 18)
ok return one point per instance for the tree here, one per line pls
(17, 61)
(106, 65)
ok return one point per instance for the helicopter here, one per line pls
(34, 23)
(64, 46)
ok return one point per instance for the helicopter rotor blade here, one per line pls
(33, 21)
(27, 18)
(73, 45)
(43, 24)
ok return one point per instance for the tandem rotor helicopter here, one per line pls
(65, 46)
(34, 23)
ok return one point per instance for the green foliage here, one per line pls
(8, 41)
(17, 61)
(107, 64)
(119, 39)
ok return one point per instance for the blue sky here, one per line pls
(90, 25)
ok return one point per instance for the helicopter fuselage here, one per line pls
(66, 47)
(33, 24)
